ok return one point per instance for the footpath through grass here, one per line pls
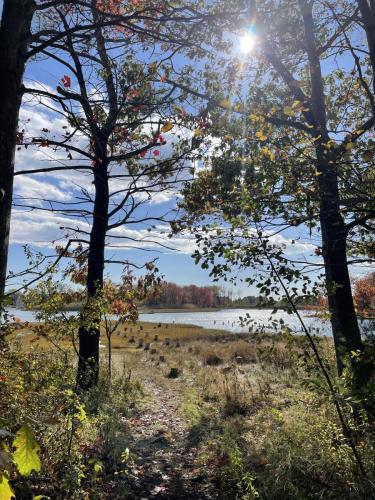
(189, 413)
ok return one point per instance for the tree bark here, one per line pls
(89, 332)
(14, 40)
(367, 11)
(345, 329)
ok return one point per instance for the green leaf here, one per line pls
(26, 454)
(6, 492)
(289, 111)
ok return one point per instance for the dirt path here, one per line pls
(165, 463)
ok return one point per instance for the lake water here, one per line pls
(228, 319)
(225, 319)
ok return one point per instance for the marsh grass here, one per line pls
(266, 425)
(255, 409)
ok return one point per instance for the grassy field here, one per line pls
(127, 337)
(189, 413)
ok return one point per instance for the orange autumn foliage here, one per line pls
(364, 295)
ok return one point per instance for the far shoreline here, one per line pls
(156, 310)
(189, 309)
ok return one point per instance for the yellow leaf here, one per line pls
(98, 466)
(261, 135)
(256, 118)
(268, 153)
(167, 127)
(289, 111)
(225, 103)
(198, 132)
(26, 455)
(238, 107)
(6, 492)
(296, 104)
(330, 144)
(80, 412)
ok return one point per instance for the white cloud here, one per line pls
(43, 229)
(37, 189)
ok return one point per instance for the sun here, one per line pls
(247, 43)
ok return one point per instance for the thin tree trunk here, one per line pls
(89, 334)
(14, 39)
(110, 356)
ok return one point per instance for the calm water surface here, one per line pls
(225, 319)
(228, 319)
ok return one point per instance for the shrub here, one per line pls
(81, 438)
(212, 359)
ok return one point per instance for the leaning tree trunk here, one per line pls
(14, 39)
(89, 332)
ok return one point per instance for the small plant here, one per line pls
(237, 481)
(237, 394)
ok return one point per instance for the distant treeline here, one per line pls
(170, 295)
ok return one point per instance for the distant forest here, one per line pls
(174, 296)
(171, 295)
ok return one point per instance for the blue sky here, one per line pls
(41, 229)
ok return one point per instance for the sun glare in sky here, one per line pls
(247, 43)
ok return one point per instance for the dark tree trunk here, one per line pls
(14, 39)
(89, 334)
(367, 10)
(345, 329)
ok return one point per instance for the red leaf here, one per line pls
(66, 81)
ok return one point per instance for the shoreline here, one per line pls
(156, 310)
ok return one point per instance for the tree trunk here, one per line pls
(345, 329)
(368, 18)
(89, 332)
(110, 356)
(14, 39)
